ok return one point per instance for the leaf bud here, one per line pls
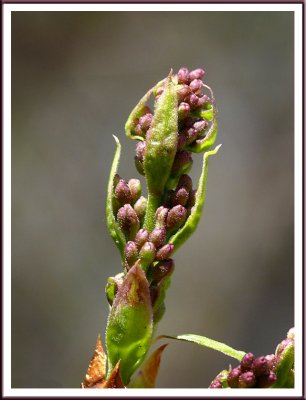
(247, 362)
(182, 162)
(123, 193)
(147, 254)
(183, 75)
(196, 74)
(165, 252)
(135, 189)
(266, 381)
(161, 270)
(176, 217)
(141, 237)
(260, 366)
(247, 380)
(128, 221)
(158, 236)
(140, 207)
(233, 377)
(131, 253)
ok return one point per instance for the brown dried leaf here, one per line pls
(113, 382)
(97, 367)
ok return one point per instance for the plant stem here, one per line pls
(153, 204)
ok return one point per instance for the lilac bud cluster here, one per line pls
(251, 373)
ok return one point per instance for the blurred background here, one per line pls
(75, 78)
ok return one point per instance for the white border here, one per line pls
(7, 390)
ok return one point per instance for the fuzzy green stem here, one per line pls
(153, 204)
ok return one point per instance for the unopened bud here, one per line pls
(247, 380)
(200, 126)
(161, 270)
(183, 92)
(271, 360)
(183, 109)
(260, 366)
(185, 182)
(128, 221)
(215, 384)
(266, 381)
(158, 236)
(140, 150)
(176, 217)
(145, 121)
(161, 215)
(196, 74)
(140, 207)
(147, 254)
(196, 86)
(183, 75)
(165, 252)
(203, 100)
(135, 189)
(122, 193)
(182, 162)
(181, 196)
(233, 377)
(131, 253)
(141, 237)
(247, 362)
(191, 199)
(193, 100)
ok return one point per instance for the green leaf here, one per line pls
(190, 225)
(130, 324)
(210, 343)
(147, 374)
(113, 228)
(284, 369)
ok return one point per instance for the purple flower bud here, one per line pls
(165, 252)
(140, 207)
(191, 199)
(196, 86)
(233, 377)
(271, 360)
(145, 121)
(183, 110)
(123, 193)
(128, 221)
(116, 179)
(260, 366)
(247, 380)
(182, 162)
(266, 381)
(247, 362)
(185, 182)
(181, 197)
(158, 236)
(141, 237)
(140, 149)
(193, 100)
(161, 270)
(183, 75)
(203, 100)
(197, 74)
(161, 215)
(147, 254)
(183, 92)
(139, 131)
(131, 253)
(191, 135)
(176, 217)
(282, 346)
(215, 384)
(199, 126)
(182, 141)
(135, 189)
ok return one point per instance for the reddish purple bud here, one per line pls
(271, 360)
(183, 75)
(135, 189)
(123, 193)
(282, 346)
(183, 92)
(176, 217)
(140, 207)
(145, 121)
(182, 162)
(181, 197)
(233, 378)
(215, 384)
(193, 100)
(185, 182)
(182, 141)
(197, 74)
(203, 100)
(131, 253)
(260, 366)
(183, 109)
(196, 86)
(139, 131)
(247, 380)
(199, 126)
(165, 252)
(147, 254)
(266, 381)
(161, 215)
(161, 270)
(191, 199)
(158, 236)
(191, 135)
(247, 362)
(141, 237)
(128, 221)
(140, 149)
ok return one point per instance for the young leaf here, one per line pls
(190, 225)
(210, 343)
(129, 327)
(113, 228)
(147, 375)
(284, 369)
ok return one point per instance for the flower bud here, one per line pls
(176, 217)
(247, 380)
(183, 92)
(215, 384)
(181, 196)
(233, 378)
(271, 360)
(122, 193)
(203, 100)
(200, 126)
(183, 109)
(145, 121)
(193, 100)
(161, 270)
(196, 74)
(165, 252)
(141, 237)
(161, 215)
(185, 182)
(147, 255)
(260, 366)
(196, 86)
(247, 362)
(140, 207)
(140, 150)
(135, 189)
(131, 253)
(191, 199)
(266, 381)
(182, 141)
(182, 162)
(128, 221)
(183, 75)
(158, 236)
